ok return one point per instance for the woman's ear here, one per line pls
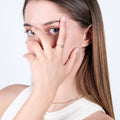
(87, 36)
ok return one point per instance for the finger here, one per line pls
(30, 57)
(36, 47)
(44, 40)
(62, 35)
(71, 60)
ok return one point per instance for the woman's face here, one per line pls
(38, 13)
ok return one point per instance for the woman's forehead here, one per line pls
(43, 10)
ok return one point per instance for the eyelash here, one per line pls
(48, 31)
(28, 31)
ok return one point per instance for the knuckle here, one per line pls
(42, 59)
(59, 58)
(59, 52)
(64, 32)
(64, 35)
(50, 56)
(35, 62)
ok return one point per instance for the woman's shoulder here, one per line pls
(8, 95)
(99, 115)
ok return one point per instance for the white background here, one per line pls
(14, 69)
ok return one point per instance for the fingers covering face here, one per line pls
(44, 40)
(62, 35)
(36, 47)
(31, 58)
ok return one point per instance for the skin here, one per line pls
(75, 37)
(72, 36)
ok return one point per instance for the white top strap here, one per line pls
(13, 109)
(78, 110)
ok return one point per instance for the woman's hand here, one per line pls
(48, 71)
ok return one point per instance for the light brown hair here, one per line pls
(92, 76)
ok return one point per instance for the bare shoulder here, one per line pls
(8, 94)
(99, 115)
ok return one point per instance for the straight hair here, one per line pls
(92, 76)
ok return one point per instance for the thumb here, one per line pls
(71, 60)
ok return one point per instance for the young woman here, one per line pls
(67, 56)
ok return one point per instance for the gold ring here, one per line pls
(62, 45)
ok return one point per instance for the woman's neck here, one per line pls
(66, 91)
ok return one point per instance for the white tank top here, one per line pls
(78, 110)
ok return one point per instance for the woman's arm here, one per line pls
(36, 106)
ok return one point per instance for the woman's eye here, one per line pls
(54, 30)
(30, 32)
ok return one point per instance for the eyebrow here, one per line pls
(45, 24)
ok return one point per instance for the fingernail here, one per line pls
(63, 19)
